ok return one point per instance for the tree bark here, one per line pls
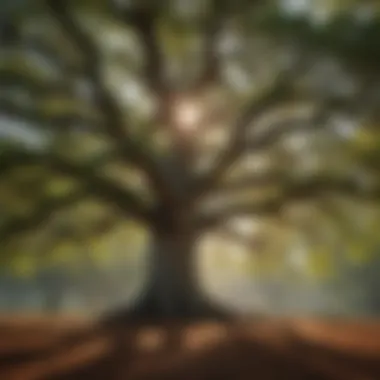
(173, 289)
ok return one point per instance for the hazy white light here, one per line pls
(344, 127)
(238, 78)
(187, 115)
(230, 44)
(24, 133)
(237, 254)
(256, 163)
(365, 13)
(216, 137)
(298, 256)
(297, 142)
(244, 226)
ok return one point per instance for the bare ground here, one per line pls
(39, 348)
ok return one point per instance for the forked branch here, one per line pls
(116, 125)
(212, 31)
(295, 191)
(235, 148)
(143, 20)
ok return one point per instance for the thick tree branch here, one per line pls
(97, 230)
(242, 144)
(132, 152)
(252, 181)
(317, 119)
(10, 77)
(211, 62)
(98, 186)
(40, 119)
(42, 212)
(220, 11)
(307, 190)
(234, 149)
(143, 20)
(91, 66)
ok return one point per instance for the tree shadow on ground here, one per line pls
(208, 350)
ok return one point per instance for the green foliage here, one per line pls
(29, 255)
(83, 127)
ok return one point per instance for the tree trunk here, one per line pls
(173, 289)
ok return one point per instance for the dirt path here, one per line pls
(296, 349)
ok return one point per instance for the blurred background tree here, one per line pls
(189, 136)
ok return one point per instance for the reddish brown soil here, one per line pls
(37, 349)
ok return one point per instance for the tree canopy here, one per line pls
(241, 119)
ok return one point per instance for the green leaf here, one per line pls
(23, 266)
(359, 253)
(320, 263)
